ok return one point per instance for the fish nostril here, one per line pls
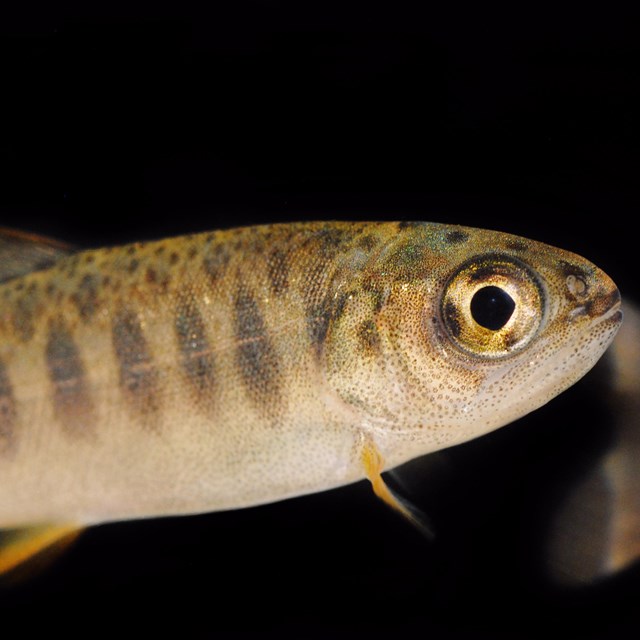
(577, 286)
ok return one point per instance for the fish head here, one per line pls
(454, 332)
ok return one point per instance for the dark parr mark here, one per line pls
(7, 412)
(378, 294)
(278, 271)
(256, 358)
(215, 261)
(138, 375)
(320, 317)
(22, 317)
(196, 356)
(72, 403)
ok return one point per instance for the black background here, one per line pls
(125, 121)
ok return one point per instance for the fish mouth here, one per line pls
(608, 304)
(601, 308)
(609, 307)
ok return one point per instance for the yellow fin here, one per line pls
(374, 464)
(18, 546)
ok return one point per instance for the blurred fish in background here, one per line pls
(577, 502)
(596, 530)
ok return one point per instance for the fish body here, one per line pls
(227, 369)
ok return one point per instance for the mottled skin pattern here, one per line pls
(227, 369)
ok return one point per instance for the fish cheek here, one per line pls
(354, 350)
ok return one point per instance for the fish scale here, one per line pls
(226, 369)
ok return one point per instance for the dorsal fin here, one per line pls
(22, 253)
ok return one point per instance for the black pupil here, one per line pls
(491, 307)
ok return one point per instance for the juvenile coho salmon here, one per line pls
(227, 369)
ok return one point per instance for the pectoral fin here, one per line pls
(35, 544)
(374, 464)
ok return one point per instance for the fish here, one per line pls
(595, 532)
(232, 368)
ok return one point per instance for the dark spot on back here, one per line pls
(256, 357)
(519, 246)
(174, 258)
(367, 242)
(72, 402)
(86, 296)
(7, 412)
(133, 265)
(160, 250)
(409, 224)
(193, 252)
(456, 237)
(131, 249)
(139, 378)
(330, 240)
(196, 355)
(151, 276)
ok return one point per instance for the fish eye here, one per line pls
(492, 306)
